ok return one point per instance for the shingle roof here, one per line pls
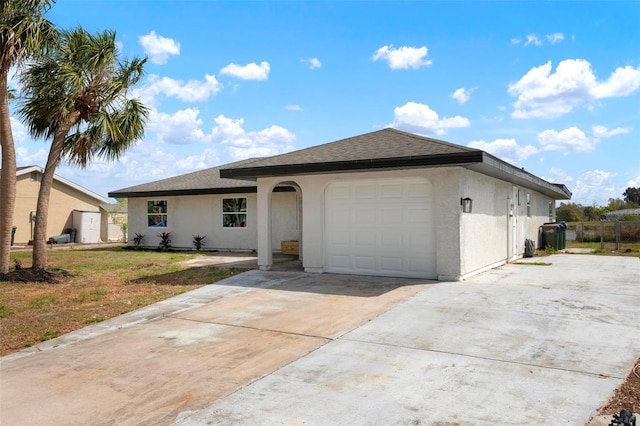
(206, 181)
(382, 144)
(388, 149)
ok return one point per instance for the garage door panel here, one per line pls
(391, 190)
(386, 227)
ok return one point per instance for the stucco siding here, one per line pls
(484, 235)
(446, 200)
(496, 229)
(190, 215)
(63, 200)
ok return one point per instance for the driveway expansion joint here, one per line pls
(485, 358)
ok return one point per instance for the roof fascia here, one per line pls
(493, 166)
(354, 165)
(206, 191)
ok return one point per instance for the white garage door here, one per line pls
(380, 227)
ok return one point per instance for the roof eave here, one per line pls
(493, 166)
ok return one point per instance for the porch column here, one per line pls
(264, 225)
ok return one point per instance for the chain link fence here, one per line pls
(611, 234)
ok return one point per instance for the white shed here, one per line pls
(87, 226)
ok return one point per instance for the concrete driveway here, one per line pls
(521, 344)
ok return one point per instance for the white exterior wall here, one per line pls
(487, 232)
(466, 243)
(190, 215)
(446, 199)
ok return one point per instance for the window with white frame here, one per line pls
(157, 213)
(234, 212)
(528, 204)
(550, 211)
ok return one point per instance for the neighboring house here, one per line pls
(616, 215)
(384, 203)
(113, 223)
(66, 198)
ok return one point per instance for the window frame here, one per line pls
(528, 204)
(237, 212)
(160, 210)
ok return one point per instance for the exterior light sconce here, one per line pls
(467, 204)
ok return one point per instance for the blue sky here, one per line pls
(553, 87)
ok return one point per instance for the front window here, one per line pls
(528, 205)
(550, 211)
(234, 212)
(157, 213)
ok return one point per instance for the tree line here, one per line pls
(572, 212)
(72, 93)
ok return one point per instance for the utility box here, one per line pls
(87, 226)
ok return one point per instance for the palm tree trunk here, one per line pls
(7, 176)
(42, 208)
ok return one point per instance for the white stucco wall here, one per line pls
(190, 215)
(446, 189)
(487, 232)
(466, 243)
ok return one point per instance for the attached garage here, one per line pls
(380, 227)
(392, 203)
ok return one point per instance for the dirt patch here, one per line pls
(627, 396)
(51, 276)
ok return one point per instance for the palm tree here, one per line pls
(24, 33)
(77, 96)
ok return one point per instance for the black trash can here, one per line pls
(553, 235)
(13, 234)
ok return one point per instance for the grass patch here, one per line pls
(608, 248)
(102, 283)
(534, 263)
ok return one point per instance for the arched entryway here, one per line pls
(280, 221)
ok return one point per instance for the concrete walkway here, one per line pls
(521, 344)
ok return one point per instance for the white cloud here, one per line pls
(559, 175)
(594, 186)
(250, 71)
(191, 91)
(555, 38)
(241, 144)
(602, 132)
(403, 57)
(573, 139)
(159, 48)
(634, 183)
(312, 62)
(293, 108)
(462, 95)
(532, 39)
(419, 118)
(516, 40)
(505, 149)
(565, 141)
(182, 127)
(622, 82)
(544, 94)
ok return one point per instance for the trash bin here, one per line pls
(553, 234)
(562, 231)
(13, 234)
(72, 234)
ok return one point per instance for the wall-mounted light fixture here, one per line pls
(467, 204)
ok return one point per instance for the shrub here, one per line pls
(198, 242)
(137, 240)
(165, 241)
